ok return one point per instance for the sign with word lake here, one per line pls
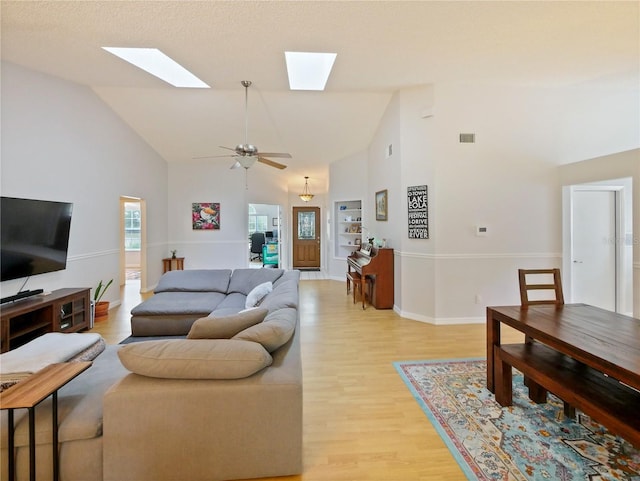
(418, 213)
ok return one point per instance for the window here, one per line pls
(132, 227)
(257, 223)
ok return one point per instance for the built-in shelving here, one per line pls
(348, 227)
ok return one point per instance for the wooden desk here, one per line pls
(169, 262)
(28, 394)
(578, 343)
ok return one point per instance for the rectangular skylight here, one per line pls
(309, 71)
(157, 63)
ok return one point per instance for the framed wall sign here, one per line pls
(381, 205)
(418, 213)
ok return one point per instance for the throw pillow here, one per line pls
(225, 327)
(195, 359)
(275, 331)
(258, 293)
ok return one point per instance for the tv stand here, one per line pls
(64, 310)
(21, 295)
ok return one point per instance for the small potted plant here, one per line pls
(101, 307)
(173, 254)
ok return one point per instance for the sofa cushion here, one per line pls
(179, 303)
(284, 294)
(276, 329)
(234, 301)
(194, 280)
(244, 280)
(225, 327)
(257, 294)
(195, 358)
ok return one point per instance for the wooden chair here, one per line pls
(536, 392)
(525, 287)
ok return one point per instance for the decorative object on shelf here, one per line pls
(381, 205)
(418, 214)
(173, 253)
(205, 215)
(306, 195)
(101, 307)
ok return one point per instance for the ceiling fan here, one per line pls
(246, 154)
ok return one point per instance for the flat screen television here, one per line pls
(34, 236)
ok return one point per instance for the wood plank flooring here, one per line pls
(360, 421)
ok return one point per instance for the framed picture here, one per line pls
(274, 221)
(381, 205)
(205, 215)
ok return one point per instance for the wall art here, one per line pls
(418, 213)
(205, 215)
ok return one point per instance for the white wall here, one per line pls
(61, 142)
(213, 181)
(507, 181)
(615, 166)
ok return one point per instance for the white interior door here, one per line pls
(594, 248)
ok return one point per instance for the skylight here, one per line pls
(157, 63)
(309, 71)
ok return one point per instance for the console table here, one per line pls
(28, 394)
(587, 356)
(63, 310)
(169, 262)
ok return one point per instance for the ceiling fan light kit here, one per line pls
(306, 195)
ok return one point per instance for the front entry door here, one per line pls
(306, 238)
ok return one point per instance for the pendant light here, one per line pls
(306, 196)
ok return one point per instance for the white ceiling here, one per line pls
(382, 46)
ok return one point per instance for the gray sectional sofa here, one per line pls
(185, 409)
(181, 297)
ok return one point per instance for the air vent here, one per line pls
(467, 138)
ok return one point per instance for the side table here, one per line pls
(28, 394)
(169, 262)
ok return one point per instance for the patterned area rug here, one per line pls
(527, 441)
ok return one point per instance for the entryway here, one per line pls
(132, 245)
(264, 230)
(597, 256)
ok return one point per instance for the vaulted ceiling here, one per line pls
(382, 46)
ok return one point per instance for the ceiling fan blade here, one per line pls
(228, 148)
(271, 163)
(212, 156)
(281, 155)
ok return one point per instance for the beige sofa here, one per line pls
(118, 425)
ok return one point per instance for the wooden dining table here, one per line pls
(604, 341)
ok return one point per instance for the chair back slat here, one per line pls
(526, 286)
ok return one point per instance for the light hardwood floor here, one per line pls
(360, 421)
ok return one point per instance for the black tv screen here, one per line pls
(34, 236)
